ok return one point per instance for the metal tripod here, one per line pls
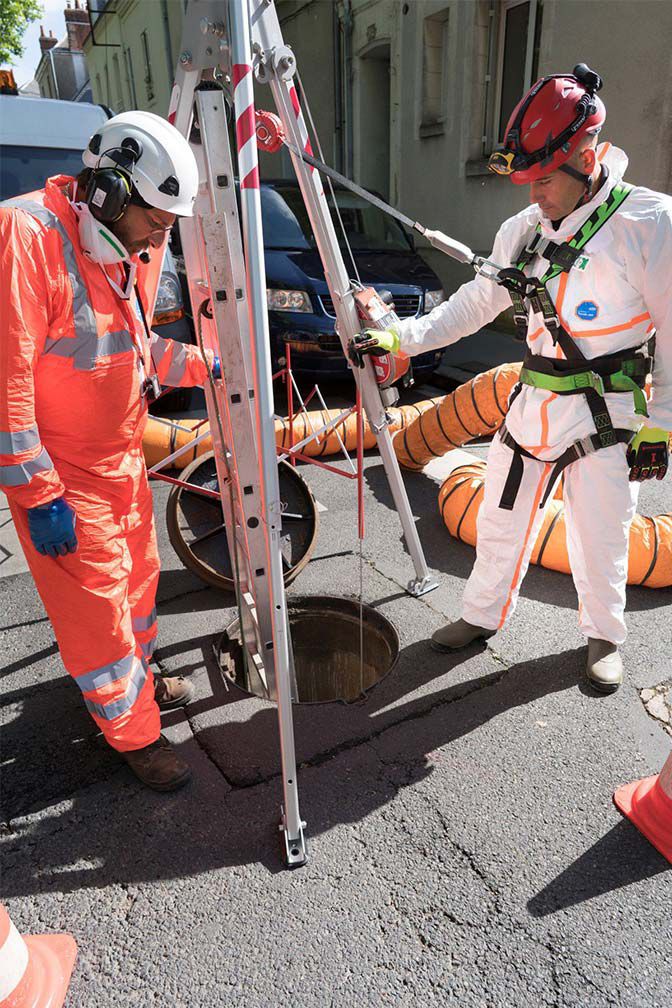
(224, 45)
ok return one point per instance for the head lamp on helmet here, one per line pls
(549, 124)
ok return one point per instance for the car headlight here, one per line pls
(169, 295)
(288, 300)
(434, 298)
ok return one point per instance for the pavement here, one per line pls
(463, 845)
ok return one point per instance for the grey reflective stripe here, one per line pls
(147, 647)
(13, 442)
(22, 473)
(85, 356)
(85, 348)
(144, 622)
(105, 675)
(115, 708)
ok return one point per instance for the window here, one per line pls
(99, 93)
(121, 103)
(513, 63)
(287, 226)
(130, 77)
(108, 93)
(24, 169)
(434, 73)
(148, 66)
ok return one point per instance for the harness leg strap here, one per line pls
(513, 480)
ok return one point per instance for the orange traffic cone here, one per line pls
(35, 970)
(648, 804)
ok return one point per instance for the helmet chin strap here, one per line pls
(585, 180)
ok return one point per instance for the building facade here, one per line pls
(409, 97)
(132, 52)
(62, 71)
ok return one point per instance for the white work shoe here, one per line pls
(458, 635)
(604, 666)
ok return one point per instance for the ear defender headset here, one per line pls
(109, 189)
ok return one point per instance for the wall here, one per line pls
(122, 30)
(308, 26)
(439, 177)
(436, 176)
(71, 74)
(628, 43)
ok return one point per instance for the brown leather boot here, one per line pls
(173, 691)
(158, 766)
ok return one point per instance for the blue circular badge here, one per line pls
(587, 310)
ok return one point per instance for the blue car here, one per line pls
(301, 312)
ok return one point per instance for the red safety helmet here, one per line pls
(548, 125)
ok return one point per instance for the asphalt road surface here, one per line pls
(463, 846)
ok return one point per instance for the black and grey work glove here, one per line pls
(648, 454)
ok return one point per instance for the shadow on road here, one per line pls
(620, 858)
(99, 826)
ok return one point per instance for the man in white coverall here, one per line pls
(601, 253)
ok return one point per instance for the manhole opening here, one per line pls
(329, 662)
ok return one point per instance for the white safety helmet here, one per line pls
(153, 154)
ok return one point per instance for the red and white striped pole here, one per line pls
(246, 137)
(278, 651)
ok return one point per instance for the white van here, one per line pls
(40, 137)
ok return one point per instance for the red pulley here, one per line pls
(270, 134)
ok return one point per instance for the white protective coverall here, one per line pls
(626, 292)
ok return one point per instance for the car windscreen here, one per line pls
(286, 224)
(24, 169)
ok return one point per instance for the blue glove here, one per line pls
(216, 368)
(52, 528)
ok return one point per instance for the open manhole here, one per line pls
(337, 656)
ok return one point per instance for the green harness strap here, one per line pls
(588, 229)
(618, 381)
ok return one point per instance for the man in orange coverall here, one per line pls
(78, 365)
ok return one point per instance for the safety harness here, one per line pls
(624, 371)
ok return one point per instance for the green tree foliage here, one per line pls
(15, 16)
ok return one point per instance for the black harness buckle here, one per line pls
(563, 255)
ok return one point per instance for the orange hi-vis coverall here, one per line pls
(72, 415)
